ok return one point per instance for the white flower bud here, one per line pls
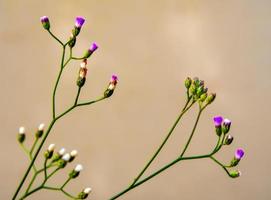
(87, 190)
(74, 153)
(66, 157)
(61, 151)
(21, 130)
(41, 127)
(51, 147)
(78, 168)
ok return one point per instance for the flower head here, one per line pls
(66, 157)
(218, 121)
(45, 22)
(239, 153)
(87, 190)
(51, 147)
(61, 151)
(79, 21)
(93, 47)
(235, 173)
(41, 127)
(78, 168)
(226, 126)
(22, 130)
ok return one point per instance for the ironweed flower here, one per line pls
(84, 194)
(79, 21)
(226, 126)
(239, 153)
(73, 155)
(21, 135)
(91, 49)
(40, 131)
(49, 152)
(228, 140)
(82, 73)
(218, 121)
(111, 87)
(45, 22)
(76, 171)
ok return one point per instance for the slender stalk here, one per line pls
(156, 173)
(34, 145)
(219, 163)
(65, 183)
(29, 155)
(58, 40)
(192, 133)
(77, 96)
(164, 141)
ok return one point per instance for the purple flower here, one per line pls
(227, 122)
(45, 22)
(93, 47)
(44, 19)
(79, 21)
(218, 121)
(114, 78)
(239, 153)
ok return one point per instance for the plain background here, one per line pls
(153, 46)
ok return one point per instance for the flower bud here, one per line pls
(111, 87)
(84, 194)
(235, 173)
(66, 157)
(228, 140)
(76, 171)
(210, 98)
(73, 155)
(82, 74)
(72, 41)
(59, 154)
(40, 131)
(226, 126)
(203, 97)
(49, 152)
(45, 22)
(79, 21)
(21, 135)
(239, 153)
(90, 51)
(192, 89)
(188, 82)
(64, 160)
(218, 121)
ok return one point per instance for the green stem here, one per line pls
(77, 96)
(58, 40)
(29, 156)
(192, 133)
(65, 183)
(34, 145)
(164, 141)
(219, 163)
(33, 160)
(156, 173)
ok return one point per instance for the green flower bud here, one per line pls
(210, 98)
(81, 81)
(84, 194)
(45, 22)
(72, 41)
(188, 82)
(49, 152)
(40, 131)
(235, 173)
(76, 171)
(203, 97)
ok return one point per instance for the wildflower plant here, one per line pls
(54, 160)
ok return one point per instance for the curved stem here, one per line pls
(164, 141)
(219, 163)
(58, 40)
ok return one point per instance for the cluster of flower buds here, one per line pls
(45, 22)
(82, 73)
(111, 86)
(79, 21)
(21, 135)
(60, 157)
(84, 194)
(222, 127)
(198, 91)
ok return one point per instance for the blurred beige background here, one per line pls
(152, 45)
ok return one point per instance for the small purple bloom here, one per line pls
(93, 47)
(239, 153)
(44, 19)
(114, 78)
(227, 122)
(79, 21)
(218, 121)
